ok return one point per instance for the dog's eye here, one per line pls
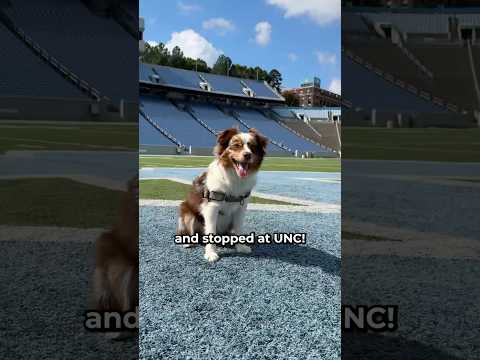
(235, 146)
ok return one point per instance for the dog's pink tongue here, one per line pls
(242, 171)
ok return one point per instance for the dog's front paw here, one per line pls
(211, 256)
(243, 249)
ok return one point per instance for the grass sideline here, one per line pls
(172, 190)
(66, 136)
(269, 164)
(429, 144)
(57, 202)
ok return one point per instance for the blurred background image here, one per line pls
(68, 147)
(410, 174)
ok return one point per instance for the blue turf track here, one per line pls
(280, 302)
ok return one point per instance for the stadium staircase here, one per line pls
(162, 130)
(274, 142)
(56, 65)
(425, 95)
(186, 108)
(271, 115)
(474, 71)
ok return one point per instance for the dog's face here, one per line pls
(243, 152)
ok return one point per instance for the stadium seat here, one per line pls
(214, 117)
(151, 136)
(178, 123)
(274, 130)
(367, 90)
(65, 28)
(25, 74)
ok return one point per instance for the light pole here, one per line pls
(228, 68)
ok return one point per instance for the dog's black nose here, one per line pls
(247, 155)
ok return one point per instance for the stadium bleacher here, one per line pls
(190, 80)
(195, 115)
(65, 28)
(274, 130)
(32, 76)
(179, 123)
(372, 91)
(216, 119)
(150, 135)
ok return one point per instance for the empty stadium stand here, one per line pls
(215, 118)
(32, 76)
(369, 90)
(194, 107)
(150, 135)
(221, 85)
(177, 122)
(67, 28)
(274, 130)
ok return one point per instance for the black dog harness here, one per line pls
(220, 196)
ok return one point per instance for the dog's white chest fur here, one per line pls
(222, 216)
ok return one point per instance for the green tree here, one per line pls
(275, 79)
(177, 59)
(222, 65)
(155, 54)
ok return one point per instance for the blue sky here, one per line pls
(300, 38)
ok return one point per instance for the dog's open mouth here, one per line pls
(241, 168)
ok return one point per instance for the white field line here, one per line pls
(323, 180)
(48, 234)
(406, 243)
(85, 179)
(436, 180)
(288, 199)
(324, 209)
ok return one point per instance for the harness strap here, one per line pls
(220, 196)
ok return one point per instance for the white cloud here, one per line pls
(325, 58)
(335, 86)
(194, 45)
(221, 24)
(292, 57)
(321, 11)
(263, 32)
(187, 8)
(152, 42)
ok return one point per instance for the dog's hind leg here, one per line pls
(186, 226)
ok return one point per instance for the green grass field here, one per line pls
(269, 164)
(57, 202)
(171, 190)
(430, 144)
(65, 136)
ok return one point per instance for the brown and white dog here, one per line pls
(115, 280)
(219, 196)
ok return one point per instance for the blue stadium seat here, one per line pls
(151, 136)
(214, 117)
(365, 89)
(178, 123)
(25, 74)
(187, 79)
(65, 28)
(272, 129)
(261, 89)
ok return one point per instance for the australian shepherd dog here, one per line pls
(219, 197)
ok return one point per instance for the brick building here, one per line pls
(311, 94)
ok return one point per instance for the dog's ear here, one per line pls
(223, 139)
(261, 140)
